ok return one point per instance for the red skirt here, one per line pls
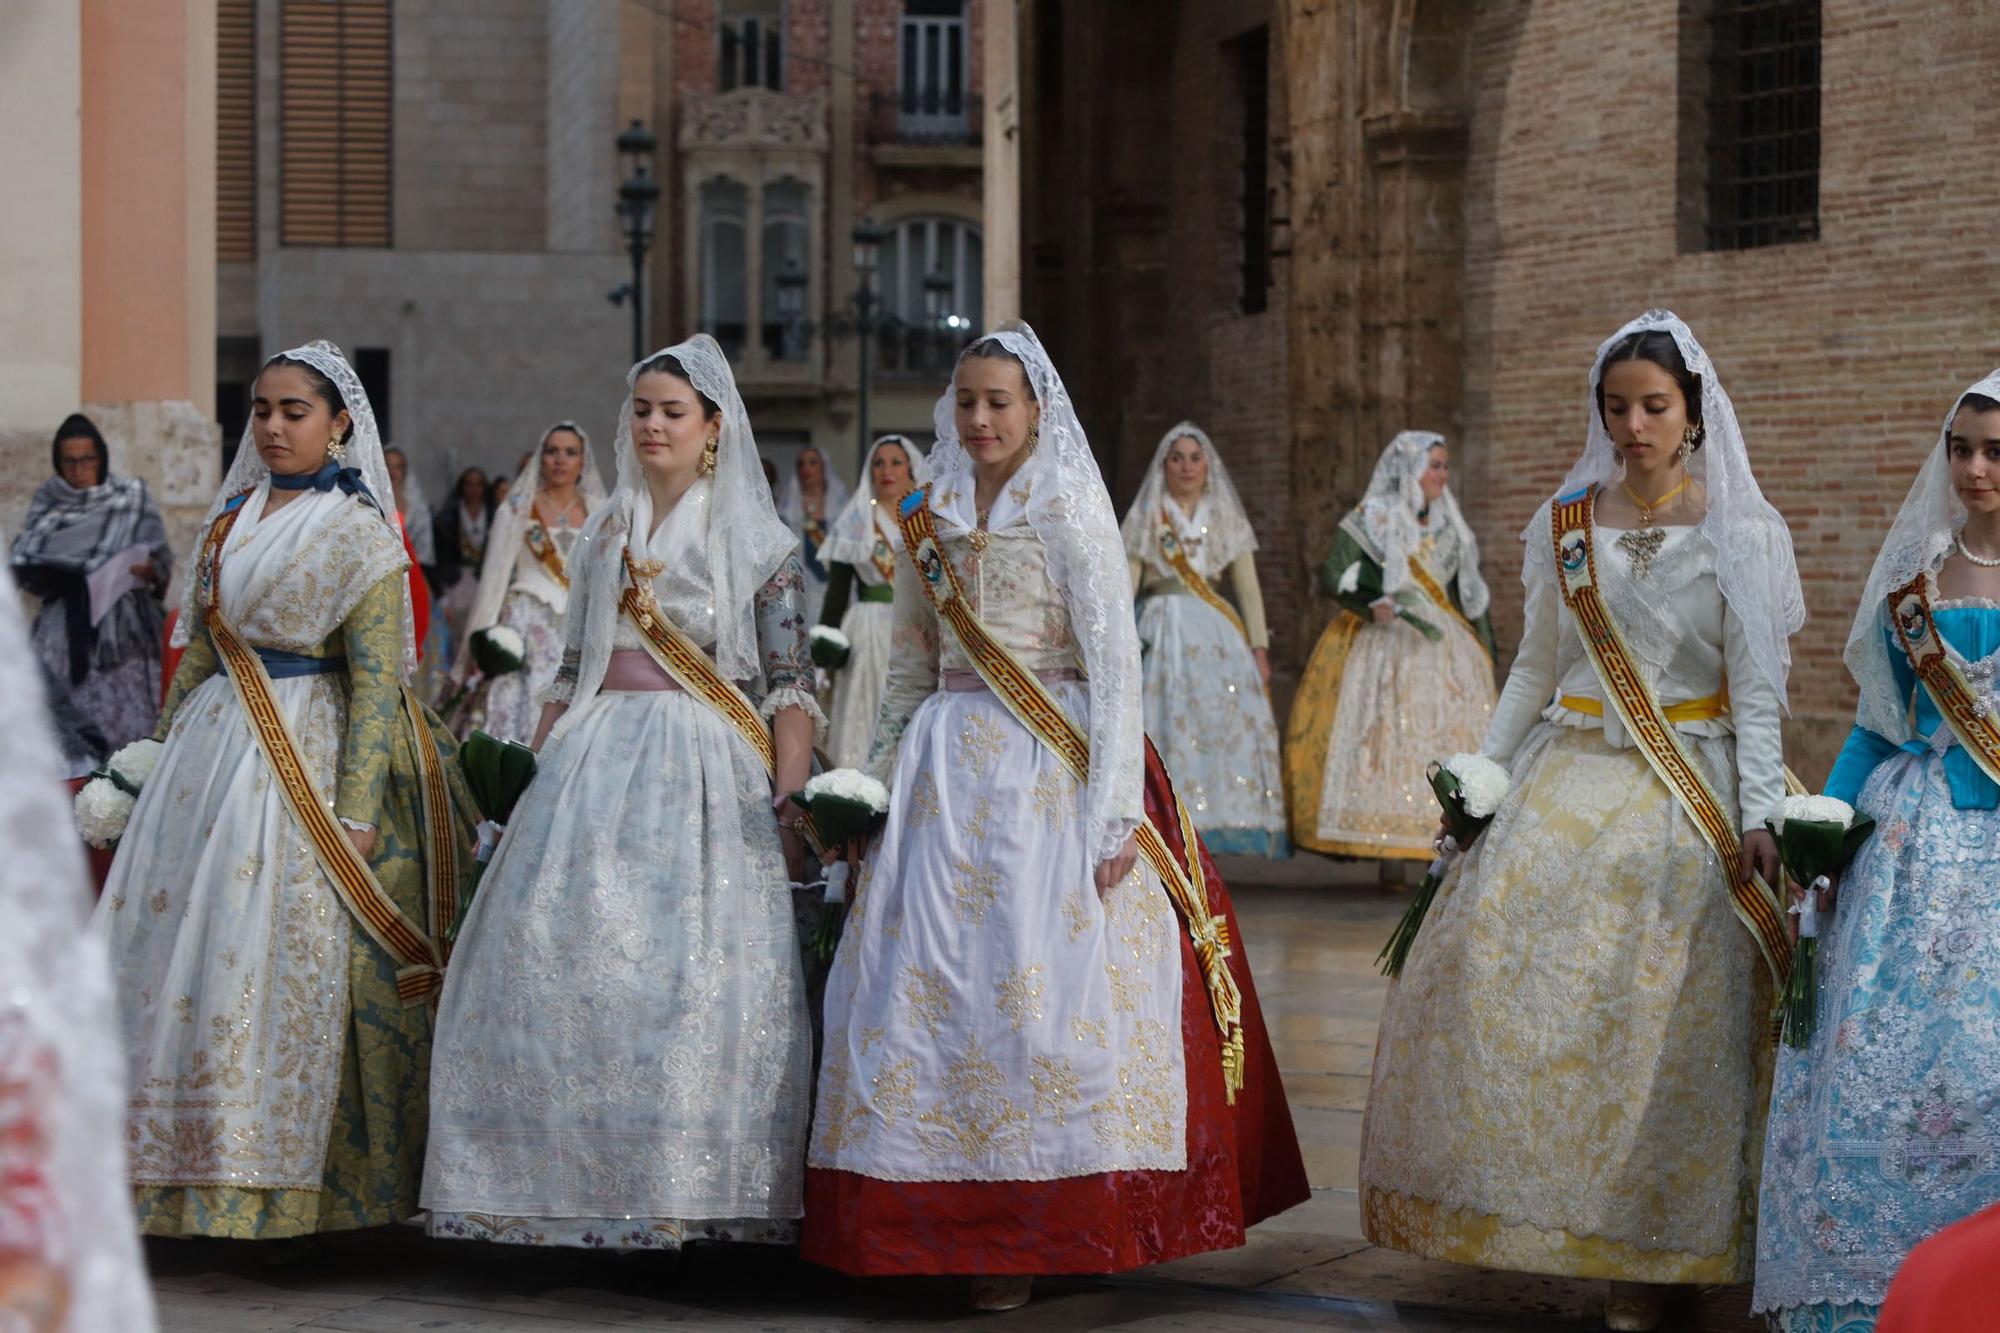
(1243, 1163)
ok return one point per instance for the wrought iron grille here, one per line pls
(1763, 123)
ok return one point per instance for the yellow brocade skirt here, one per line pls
(1572, 1074)
(1376, 705)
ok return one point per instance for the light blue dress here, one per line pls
(1886, 1128)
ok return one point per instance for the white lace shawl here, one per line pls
(1386, 522)
(1918, 541)
(1069, 509)
(792, 499)
(1754, 564)
(850, 538)
(720, 562)
(1219, 519)
(509, 530)
(62, 1079)
(363, 452)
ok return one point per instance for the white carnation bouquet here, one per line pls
(1817, 836)
(845, 806)
(104, 805)
(498, 649)
(1469, 788)
(830, 648)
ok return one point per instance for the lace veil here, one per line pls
(1918, 541)
(1070, 511)
(850, 538)
(363, 453)
(1219, 518)
(510, 524)
(1754, 564)
(1387, 517)
(62, 1079)
(739, 546)
(792, 500)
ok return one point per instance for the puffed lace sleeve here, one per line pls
(913, 669)
(1533, 680)
(1756, 712)
(781, 638)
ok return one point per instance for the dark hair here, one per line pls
(322, 386)
(1978, 402)
(77, 426)
(991, 348)
(666, 363)
(1658, 346)
(485, 485)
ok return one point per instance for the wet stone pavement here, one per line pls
(1312, 928)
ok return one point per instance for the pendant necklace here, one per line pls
(1642, 544)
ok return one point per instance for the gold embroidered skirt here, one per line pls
(1571, 1075)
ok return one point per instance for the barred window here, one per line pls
(1763, 122)
(333, 129)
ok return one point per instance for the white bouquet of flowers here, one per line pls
(1817, 836)
(1469, 788)
(498, 649)
(844, 806)
(104, 805)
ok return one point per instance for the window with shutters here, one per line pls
(932, 74)
(236, 131)
(334, 122)
(750, 37)
(725, 263)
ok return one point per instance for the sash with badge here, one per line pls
(1968, 715)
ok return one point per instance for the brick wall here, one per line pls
(1841, 355)
(471, 103)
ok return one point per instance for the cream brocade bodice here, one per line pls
(1008, 585)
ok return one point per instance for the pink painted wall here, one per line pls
(136, 299)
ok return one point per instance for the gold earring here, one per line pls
(1690, 438)
(708, 453)
(336, 448)
(1617, 455)
(1034, 438)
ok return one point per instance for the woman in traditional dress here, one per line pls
(69, 1256)
(1404, 674)
(623, 1051)
(1884, 1128)
(1028, 1066)
(461, 526)
(861, 549)
(1207, 664)
(1570, 1074)
(524, 583)
(410, 507)
(277, 903)
(433, 635)
(811, 497)
(94, 549)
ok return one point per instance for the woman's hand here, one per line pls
(1263, 656)
(1827, 897)
(1760, 857)
(1384, 611)
(363, 840)
(144, 570)
(1117, 867)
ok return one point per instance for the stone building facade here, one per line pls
(1463, 200)
(465, 242)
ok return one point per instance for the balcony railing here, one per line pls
(911, 351)
(930, 116)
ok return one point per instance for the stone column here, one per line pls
(1001, 74)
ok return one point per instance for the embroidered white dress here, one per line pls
(623, 1052)
(990, 1016)
(1571, 1073)
(231, 944)
(510, 706)
(868, 624)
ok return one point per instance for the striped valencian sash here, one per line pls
(543, 548)
(1956, 700)
(419, 960)
(692, 669)
(1421, 574)
(1170, 547)
(1756, 905)
(1032, 705)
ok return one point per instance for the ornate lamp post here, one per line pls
(638, 198)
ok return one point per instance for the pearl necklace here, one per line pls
(1984, 562)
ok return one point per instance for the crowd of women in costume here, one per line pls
(1041, 1049)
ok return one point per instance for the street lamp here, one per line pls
(937, 290)
(638, 198)
(868, 240)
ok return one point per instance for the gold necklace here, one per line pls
(979, 534)
(1646, 510)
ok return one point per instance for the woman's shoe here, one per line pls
(1633, 1307)
(1001, 1293)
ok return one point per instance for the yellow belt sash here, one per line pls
(1031, 704)
(420, 959)
(1756, 905)
(1688, 710)
(1916, 630)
